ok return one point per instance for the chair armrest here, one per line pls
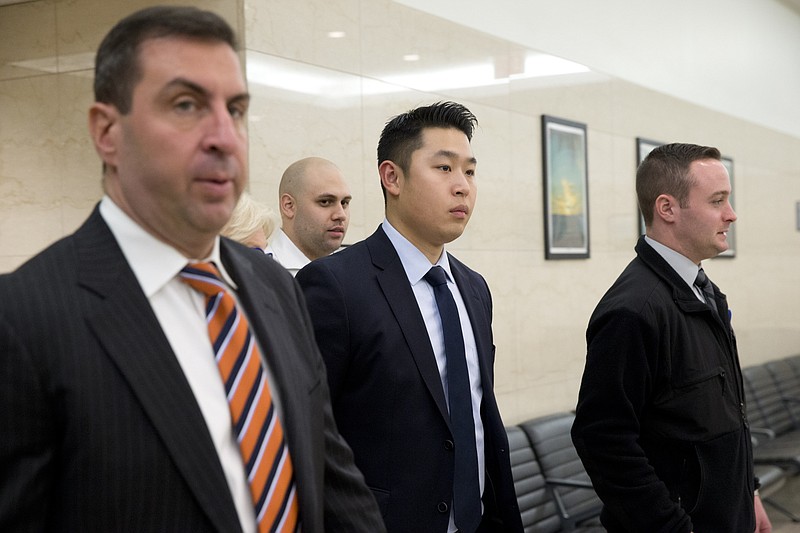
(568, 519)
(568, 483)
(762, 431)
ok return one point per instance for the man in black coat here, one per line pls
(660, 423)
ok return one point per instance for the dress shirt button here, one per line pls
(448, 445)
(442, 507)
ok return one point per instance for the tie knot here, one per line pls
(701, 280)
(203, 277)
(436, 276)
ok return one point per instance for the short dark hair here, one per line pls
(402, 135)
(665, 170)
(117, 67)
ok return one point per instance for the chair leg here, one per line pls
(780, 508)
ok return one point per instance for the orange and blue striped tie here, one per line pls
(255, 422)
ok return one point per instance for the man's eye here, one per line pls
(185, 105)
(446, 168)
(237, 111)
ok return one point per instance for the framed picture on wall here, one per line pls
(731, 251)
(566, 189)
(643, 147)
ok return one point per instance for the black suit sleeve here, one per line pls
(26, 435)
(326, 304)
(348, 504)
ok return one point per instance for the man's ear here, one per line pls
(104, 130)
(666, 207)
(390, 174)
(287, 205)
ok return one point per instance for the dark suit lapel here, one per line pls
(125, 325)
(478, 317)
(268, 321)
(400, 297)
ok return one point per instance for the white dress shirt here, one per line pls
(681, 264)
(285, 252)
(181, 313)
(416, 265)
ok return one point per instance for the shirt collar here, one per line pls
(681, 264)
(154, 262)
(415, 264)
(286, 251)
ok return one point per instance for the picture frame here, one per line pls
(566, 189)
(643, 147)
(731, 251)
(797, 215)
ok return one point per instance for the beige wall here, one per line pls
(314, 95)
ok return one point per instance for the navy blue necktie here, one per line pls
(466, 488)
(704, 283)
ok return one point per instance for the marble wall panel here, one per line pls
(318, 95)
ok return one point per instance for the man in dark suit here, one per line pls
(114, 414)
(385, 340)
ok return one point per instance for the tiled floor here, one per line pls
(789, 497)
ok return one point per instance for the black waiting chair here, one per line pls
(537, 507)
(576, 501)
(787, 381)
(775, 432)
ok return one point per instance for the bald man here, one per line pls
(314, 203)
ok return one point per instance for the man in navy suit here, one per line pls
(379, 330)
(114, 415)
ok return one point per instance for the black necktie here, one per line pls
(466, 488)
(704, 283)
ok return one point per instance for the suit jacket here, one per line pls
(100, 429)
(387, 394)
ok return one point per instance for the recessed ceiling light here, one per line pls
(337, 34)
(411, 57)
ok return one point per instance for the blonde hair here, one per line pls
(248, 217)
